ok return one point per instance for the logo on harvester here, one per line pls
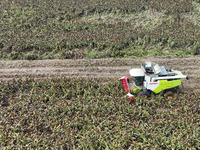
(153, 83)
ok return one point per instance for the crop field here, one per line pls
(64, 29)
(81, 113)
(60, 65)
(80, 104)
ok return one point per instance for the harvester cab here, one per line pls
(152, 79)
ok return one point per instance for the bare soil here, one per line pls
(96, 68)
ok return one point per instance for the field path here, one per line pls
(98, 68)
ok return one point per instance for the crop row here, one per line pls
(78, 113)
(78, 8)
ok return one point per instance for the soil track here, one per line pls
(98, 68)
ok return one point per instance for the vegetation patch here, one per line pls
(79, 113)
(107, 28)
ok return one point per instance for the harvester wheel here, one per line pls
(169, 94)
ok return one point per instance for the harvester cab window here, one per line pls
(138, 80)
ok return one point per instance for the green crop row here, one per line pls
(79, 113)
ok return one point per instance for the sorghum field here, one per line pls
(66, 29)
(79, 113)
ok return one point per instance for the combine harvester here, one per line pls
(152, 78)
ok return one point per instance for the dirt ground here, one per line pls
(98, 68)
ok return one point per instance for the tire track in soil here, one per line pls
(113, 68)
